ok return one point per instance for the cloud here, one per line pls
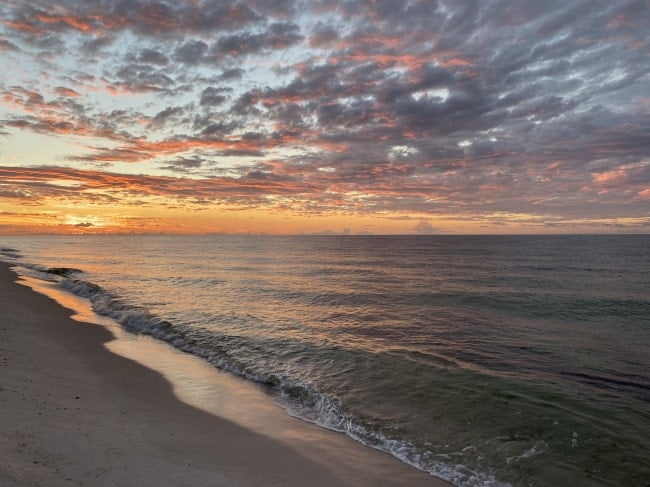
(191, 52)
(66, 92)
(323, 36)
(184, 164)
(405, 107)
(277, 36)
(41, 184)
(232, 74)
(94, 45)
(168, 115)
(136, 78)
(151, 56)
(212, 96)
(6, 45)
(142, 17)
(424, 227)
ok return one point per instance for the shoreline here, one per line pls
(76, 413)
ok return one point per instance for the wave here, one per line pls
(298, 399)
(10, 252)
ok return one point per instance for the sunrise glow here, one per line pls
(381, 117)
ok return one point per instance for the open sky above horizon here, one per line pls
(323, 116)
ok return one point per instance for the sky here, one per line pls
(323, 116)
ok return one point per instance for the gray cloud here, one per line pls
(424, 106)
(167, 115)
(213, 96)
(191, 52)
(6, 45)
(277, 36)
(184, 165)
(151, 56)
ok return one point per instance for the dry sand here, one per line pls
(74, 413)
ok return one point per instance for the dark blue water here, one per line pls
(495, 360)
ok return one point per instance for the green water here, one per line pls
(484, 360)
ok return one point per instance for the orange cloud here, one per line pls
(74, 22)
(610, 176)
(63, 91)
(24, 27)
(644, 194)
(89, 184)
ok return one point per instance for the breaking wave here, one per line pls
(298, 399)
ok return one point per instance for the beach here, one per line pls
(75, 413)
(259, 360)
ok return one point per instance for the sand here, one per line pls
(73, 412)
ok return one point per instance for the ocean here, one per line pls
(484, 360)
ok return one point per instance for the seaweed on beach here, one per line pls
(64, 271)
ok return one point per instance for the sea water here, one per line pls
(495, 360)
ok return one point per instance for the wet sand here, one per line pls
(72, 412)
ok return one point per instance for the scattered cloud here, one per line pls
(424, 227)
(409, 108)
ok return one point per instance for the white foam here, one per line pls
(536, 449)
(298, 399)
